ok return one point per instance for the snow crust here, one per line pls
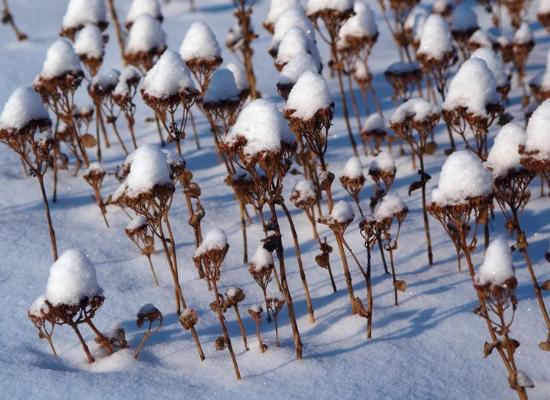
(200, 43)
(60, 59)
(23, 106)
(146, 34)
(72, 278)
(89, 42)
(462, 177)
(497, 267)
(504, 155)
(309, 95)
(168, 77)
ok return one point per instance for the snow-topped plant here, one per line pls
(374, 132)
(292, 71)
(463, 25)
(353, 179)
(94, 176)
(89, 46)
(404, 78)
(382, 171)
(504, 156)
(480, 39)
(309, 99)
(140, 234)
(522, 45)
(543, 13)
(497, 268)
(536, 151)
(293, 17)
(82, 12)
(497, 67)
(240, 79)
(201, 52)
(261, 268)
(25, 128)
(123, 96)
(146, 42)
(140, 7)
(276, 9)
(151, 316)
(296, 42)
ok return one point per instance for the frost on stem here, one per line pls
(82, 12)
(140, 7)
(90, 47)
(276, 9)
(146, 42)
(201, 52)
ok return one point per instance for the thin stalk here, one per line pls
(152, 269)
(118, 28)
(241, 326)
(53, 241)
(83, 343)
(345, 267)
(425, 211)
(225, 332)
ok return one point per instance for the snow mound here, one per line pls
(214, 239)
(296, 42)
(222, 87)
(497, 266)
(89, 42)
(342, 212)
(314, 6)
(418, 109)
(262, 258)
(353, 168)
(504, 155)
(140, 7)
(240, 76)
(292, 17)
(263, 127)
(200, 43)
(436, 40)
(148, 169)
(494, 63)
(278, 7)
(538, 132)
(23, 106)
(145, 35)
(309, 95)
(374, 122)
(297, 66)
(473, 87)
(462, 177)
(60, 59)
(168, 77)
(390, 205)
(82, 12)
(360, 25)
(382, 162)
(72, 278)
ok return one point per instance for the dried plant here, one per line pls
(403, 77)
(256, 313)
(261, 272)
(333, 20)
(404, 124)
(233, 296)
(521, 51)
(7, 19)
(275, 305)
(211, 254)
(118, 27)
(373, 137)
(150, 315)
(139, 233)
(123, 96)
(40, 316)
(94, 176)
(401, 11)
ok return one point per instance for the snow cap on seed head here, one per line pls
(309, 95)
(199, 43)
(436, 40)
(538, 132)
(60, 59)
(504, 155)
(140, 7)
(23, 107)
(146, 34)
(497, 266)
(82, 12)
(168, 77)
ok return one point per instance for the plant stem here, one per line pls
(118, 28)
(224, 329)
(425, 211)
(241, 326)
(53, 241)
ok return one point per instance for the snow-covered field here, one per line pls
(430, 346)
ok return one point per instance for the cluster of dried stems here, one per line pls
(401, 35)
(152, 317)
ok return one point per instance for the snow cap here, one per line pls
(200, 43)
(145, 35)
(82, 12)
(60, 59)
(497, 266)
(23, 106)
(436, 40)
(309, 95)
(504, 155)
(168, 77)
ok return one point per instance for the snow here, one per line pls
(23, 106)
(523, 35)
(360, 25)
(464, 19)
(436, 40)
(222, 87)
(72, 278)
(240, 76)
(262, 258)
(106, 81)
(418, 109)
(497, 267)
(140, 7)
(473, 87)
(481, 38)
(504, 155)
(60, 59)
(382, 162)
(353, 168)
(200, 43)
(277, 7)
(39, 308)
(297, 66)
(374, 122)
(136, 222)
(538, 138)
(89, 42)
(304, 191)
(342, 212)
(314, 6)
(145, 35)
(390, 205)
(544, 7)
(494, 63)
(309, 95)
(214, 239)
(462, 177)
(94, 167)
(294, 43)
(129, 74)
(82, 12)
(542, 79)
(168, 77)
(293, 17)
(263, 127)
(148, 169)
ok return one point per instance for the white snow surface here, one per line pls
(60, 59)
(263, 127)
(462, 177)
(199, 43)
(497, 267)
(136, 222)
(82, 12)
(481, 38)
(296, 67)
(523, 34)
(305, 190)
(390, 205)
(39, 308)
(169, 76)
(538, 137)
(146, 34)
(89, 42)
(214, 239)
(360, 25)
(309, 95)
(504, 155)
(374, 122)
(544, 7)
(23, 106)
(463, 19)
(292, 17)
(140, 7)
(277, 7)
(72, 278)
(436, 40)
(240, 76)
(294, 43)
(473, 87)
(353, 168)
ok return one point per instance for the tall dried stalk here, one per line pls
(7, 19)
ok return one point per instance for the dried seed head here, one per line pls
(188, 318)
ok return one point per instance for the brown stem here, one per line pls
(258, 334)
(354, 106)
(152, 269)
(8, 16)
(53, 241)
(195, 133)
(97, 133)
(141, 344)
(118, 28)
(225, 332)
(345, 267)
(241, 326)
(369, 294)
(83, 343)
(117, 134)
(394, 280)
(102, 339)
(425, 211)
(243, 229)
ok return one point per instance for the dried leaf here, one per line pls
(400, 285)
(431, 148)
(545, 285)
(544, 346)
(88, 141)
(415, 186)
(322, 260)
